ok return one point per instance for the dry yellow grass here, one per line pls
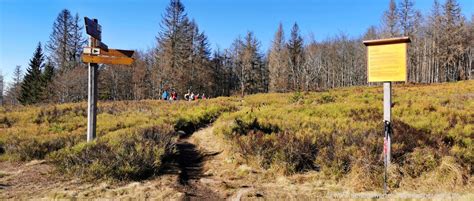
(336, 133)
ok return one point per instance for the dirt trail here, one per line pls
(190, 162)
(27, 179)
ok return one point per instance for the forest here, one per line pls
(441, 50)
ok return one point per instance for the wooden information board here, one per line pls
(386, 60)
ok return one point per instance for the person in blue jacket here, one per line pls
(165, 95)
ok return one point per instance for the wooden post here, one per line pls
(387, 115)
(92, 98)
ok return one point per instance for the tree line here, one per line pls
(441, 50)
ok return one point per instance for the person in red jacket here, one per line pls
(174, 95)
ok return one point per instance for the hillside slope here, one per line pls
(295, 145)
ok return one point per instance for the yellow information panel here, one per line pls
(387, 62)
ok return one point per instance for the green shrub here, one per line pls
(282, 149)
(326, 98)
(126, 156)
(249, 123)
(192, 120)
(6, 122)
(24, 149)
(2, 147)
(421, 160)
(296, 97)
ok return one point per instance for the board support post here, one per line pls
(92, 97)
(387, 121)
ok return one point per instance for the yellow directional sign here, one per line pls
(109, 56)
(386, 59)
(106, 60)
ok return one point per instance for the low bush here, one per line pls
(421, 160)
(124, 156)
(193, 120)
(326, 98)
(5, 122)
(34, 131)
(281, 150)
(24, 149)
(296, 97)
(2, 147)
(340, 133)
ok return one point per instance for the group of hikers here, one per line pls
(190, 96)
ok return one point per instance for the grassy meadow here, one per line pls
(133, 137)
(337, 133)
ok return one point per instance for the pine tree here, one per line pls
(77, 41)
(408, 17)
(32, 86)
(453, 41)
(174, 51)
(409, 20)
(202, 72)
(221, 74)
(390, 20)
(13, 92)
(253, 72)
(296, 58)
(278, 62)
(48, 72)
(370, 34)
(66, 41)
(47, 82)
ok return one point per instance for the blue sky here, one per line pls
(134, 24)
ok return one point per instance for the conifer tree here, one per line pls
(66, 41)
(32, 86)
(296, 58)
(47, 81)
(14, 90)
(278, 63)
(390, 20)
(453, 40)
(409, 21)
(202, 75)
(174, 49)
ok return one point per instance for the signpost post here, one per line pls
(96, 53)
(386, 62)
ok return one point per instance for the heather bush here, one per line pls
(25, 149)
(32, 132)
(123, 156)
(340, 133)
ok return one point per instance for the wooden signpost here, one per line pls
(386, 62)
(98, 52)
